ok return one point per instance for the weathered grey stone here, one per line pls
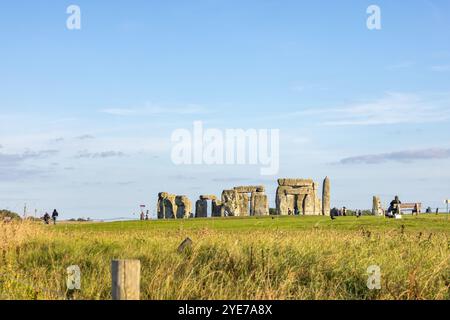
(297, 196)
(377, 208)
(242, 205)
(160, 205)
(235, 204)
(185, 245)
(249, 189)
(184, 207)
(201, 209)
(208, 197)
(216, 208)
(259, 204)
(166, 207)
(229, 203)
(171, 206)
(326, 197)
(298, 190)
(295, 182)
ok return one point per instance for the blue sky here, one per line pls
(87, 115)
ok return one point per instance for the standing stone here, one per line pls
(230, 203)
(160, 205)
(308, 205)
(170, 207)
(259, 204)
(201, 209)
(326, 197)
(184, 207)
(377, 210)
(216, 208)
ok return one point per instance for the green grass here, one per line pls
(234, 258)
(414, 223)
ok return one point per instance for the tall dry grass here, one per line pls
(269, 264)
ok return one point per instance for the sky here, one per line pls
(86, 116)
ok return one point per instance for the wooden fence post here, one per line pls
(126, 277)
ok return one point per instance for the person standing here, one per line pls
(46, 218)
(416, 209)
(54, 216)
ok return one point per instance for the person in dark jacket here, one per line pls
(394, 207)
(54, 216)
(46, 218)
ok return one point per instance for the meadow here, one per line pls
(233, 258)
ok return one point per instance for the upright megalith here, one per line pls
(377, 208)
(259, 204)
(184, 207)
(171, 206)
(230, 203)
(298, 197)
(326, 197)
(166, 207)
(244, 201)
(201, 208)
(216, 208)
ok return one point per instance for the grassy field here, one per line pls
(233, 258)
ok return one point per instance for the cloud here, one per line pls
(150, 110)
(441, 68)
(11, 164)
(15, 159)
(401, 65)
(231, 179)
(393, 108)
(98, 155)
(399, 156)
(125, 183)
(85, 137)
(14, 174)
(182, 177)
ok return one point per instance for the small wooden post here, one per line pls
(126, 276)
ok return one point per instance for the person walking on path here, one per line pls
(55, 216)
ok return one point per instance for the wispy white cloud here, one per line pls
(441, 68)
(149, 110)
(399, 156)
(102, 154)
(401, 65)
(14, 159)
(12, 164)
(85, 137)
(393, 108)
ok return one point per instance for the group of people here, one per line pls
(335, 212)
(47, 217)
(144, 216)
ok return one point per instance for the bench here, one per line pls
(411, 206)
